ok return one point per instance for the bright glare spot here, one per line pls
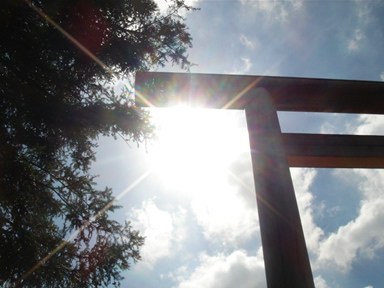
(200, 158)
(196, 147)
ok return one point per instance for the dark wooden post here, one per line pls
(285, 253)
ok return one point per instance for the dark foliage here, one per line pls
(55, 100)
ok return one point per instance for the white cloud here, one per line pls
(225, 216)
(362, 236)
(354, 43)
(161, 229)
(338, 123)
(177, 275)
(382, 76)
(246, 42)
(226, 271)
(246, 65)
(320, 282)
(302, 180)
(165, 5)
(370, 125)
(328, 128)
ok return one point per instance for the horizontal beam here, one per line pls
(235, 91)
(333, 151)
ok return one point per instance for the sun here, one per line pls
(195, 147)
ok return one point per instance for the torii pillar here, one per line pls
(285, 253)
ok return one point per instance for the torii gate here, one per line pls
(285, 253)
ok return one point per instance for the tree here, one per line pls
(58, 63)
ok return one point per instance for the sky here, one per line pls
(191, 192)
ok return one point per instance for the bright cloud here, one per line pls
(320, 282)
(225, 217)
(162, 231)
(303, 179)
(370, 125)
(362, 236)
(226, 271)
(382, 76)
(164, 6)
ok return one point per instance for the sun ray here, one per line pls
(84, 226)
(241, 94)
(71, 38)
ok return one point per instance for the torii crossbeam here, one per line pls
(285, 253)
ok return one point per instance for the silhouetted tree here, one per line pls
(58, 63)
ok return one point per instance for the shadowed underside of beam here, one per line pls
(333, 151)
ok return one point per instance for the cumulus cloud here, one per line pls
(370, 125)
(362, 236)
(162, 231)
(226, 271)
(320, 282)
(302, 180)
(382, 76)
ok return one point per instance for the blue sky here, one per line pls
(200, 219)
